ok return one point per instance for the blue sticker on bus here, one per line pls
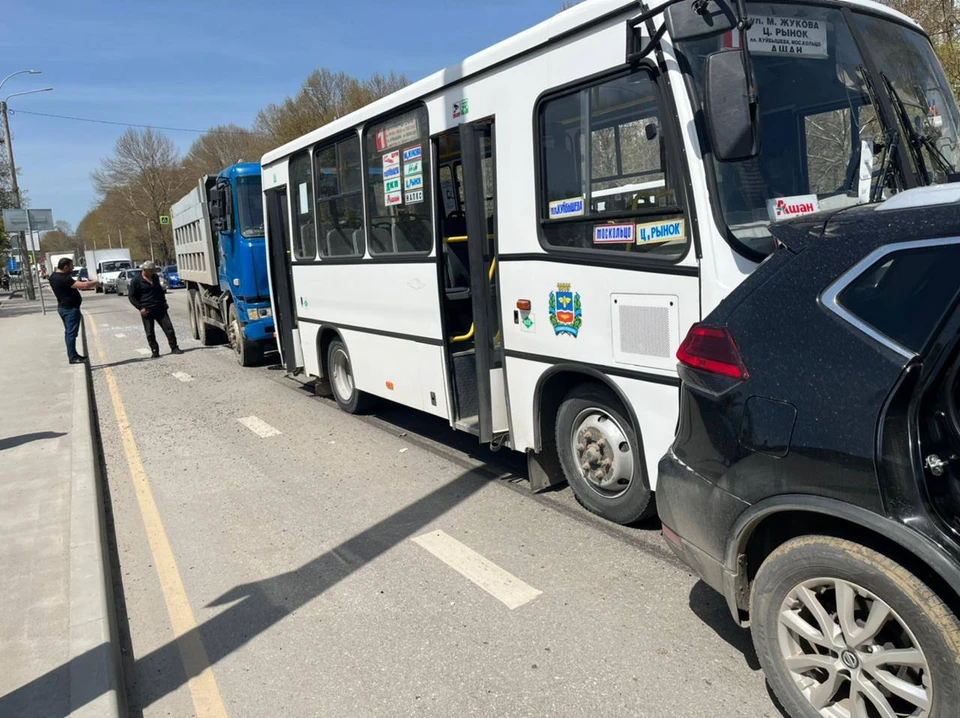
(413, 153)
(572, 207)
(670, 230)
(391, 171)
(614, 234)
(413, 182)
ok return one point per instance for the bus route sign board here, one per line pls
(40, 220)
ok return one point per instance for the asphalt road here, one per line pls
(309, 559)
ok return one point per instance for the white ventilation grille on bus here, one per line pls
(645, 329)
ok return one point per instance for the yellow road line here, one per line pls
(202, 683)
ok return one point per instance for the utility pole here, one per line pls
(25, 271)
(150, 240)
(109, 241)
(120, 231)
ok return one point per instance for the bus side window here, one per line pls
(626, 186)
(340, 199)
(304, 227)
(398, 184)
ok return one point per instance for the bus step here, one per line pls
(470, 424)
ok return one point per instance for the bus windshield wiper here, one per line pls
(917, 140)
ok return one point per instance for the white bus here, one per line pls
(519, 243)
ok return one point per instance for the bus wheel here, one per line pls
(248, 353)
(192, 314)
(340, 371)
(600, 454)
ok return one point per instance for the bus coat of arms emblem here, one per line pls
(565, 311)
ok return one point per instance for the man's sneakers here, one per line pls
(155, 355)
(78, 359)
(176, 350)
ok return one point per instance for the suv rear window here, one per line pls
(905, 294)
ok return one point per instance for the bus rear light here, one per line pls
(713, 351)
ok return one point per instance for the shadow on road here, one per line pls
(256, 606)
(711, 608)
(13, 441)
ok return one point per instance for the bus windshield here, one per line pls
(250, 201)
(825, 141)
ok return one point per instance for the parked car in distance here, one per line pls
(172, 277)
(815, 477)
(123, 281)
(80, 274)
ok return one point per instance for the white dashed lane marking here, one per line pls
(258, 426)
(120, 336)
(500, 584)
(145, 352)
(182, 376)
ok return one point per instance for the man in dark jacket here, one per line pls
(149, 297)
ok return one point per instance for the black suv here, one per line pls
(815, 477)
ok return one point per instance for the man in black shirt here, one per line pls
(68, 305)
(149, 297)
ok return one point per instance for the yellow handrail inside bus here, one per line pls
(473, 328)
(452, 240)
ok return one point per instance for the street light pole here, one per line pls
(14, 185)
(24, 264)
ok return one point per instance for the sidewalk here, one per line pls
(58, 642)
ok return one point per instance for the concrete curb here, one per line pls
(96, 681)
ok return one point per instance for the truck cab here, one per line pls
(221, 256)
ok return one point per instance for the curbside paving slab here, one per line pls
(96, 681)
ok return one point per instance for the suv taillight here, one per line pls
(714, 351)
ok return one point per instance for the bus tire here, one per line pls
(248, 353)
(192, 313)
(600, 455)
(340, 372)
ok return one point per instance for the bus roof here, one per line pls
(567, 22)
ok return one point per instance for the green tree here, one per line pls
(323, 97)
(221, 147)
(143, 178)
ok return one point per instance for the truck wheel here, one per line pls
(248, 353)
(349, 398)
(209, 335)
(192, 314)
(600, 454)
(842, 629)
(98, 290)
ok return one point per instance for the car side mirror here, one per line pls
(731, 112)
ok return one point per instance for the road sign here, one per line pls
(40, 220)
(164, 219)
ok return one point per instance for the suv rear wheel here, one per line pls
(842, 630)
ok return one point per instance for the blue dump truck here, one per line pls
(222, 259)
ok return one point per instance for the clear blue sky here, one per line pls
(198, 64)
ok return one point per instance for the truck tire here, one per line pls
(340, 372)
(600, 454)
(834, 621)
(248, 353)
(208, 334)
(192, 314)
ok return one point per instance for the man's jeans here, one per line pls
(71, 325)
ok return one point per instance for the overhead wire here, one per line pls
(134, 124)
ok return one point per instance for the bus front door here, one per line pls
(478, 193)
(281, 283)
